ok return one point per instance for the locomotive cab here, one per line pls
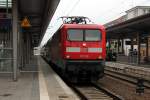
(84, 44)
(84, 51)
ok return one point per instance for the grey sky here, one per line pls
(99, 11)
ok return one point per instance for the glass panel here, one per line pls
(5, 65)
(6, 50)
(75, 35)
(92, 35)
(3, 3)
(6, 53)
(6, 60)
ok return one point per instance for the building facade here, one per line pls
(137, 11)
(144, 45)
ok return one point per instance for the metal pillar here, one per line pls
(132, 44)
(28, 48)
(15, 31)
(139, 47)
(21, 49)
(29, 35)
(122, 40)
(147, 48)
(24, 49)
(118, 41)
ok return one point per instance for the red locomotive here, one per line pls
(78, 49)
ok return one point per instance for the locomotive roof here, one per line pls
(92, 26)
(73, 17)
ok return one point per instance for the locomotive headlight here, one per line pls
(67, 56)
(100, 57)
(84, 44)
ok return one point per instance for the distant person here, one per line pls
(134, 52)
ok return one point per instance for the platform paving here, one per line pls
(57, 89)
(26, 88)
(39, 84)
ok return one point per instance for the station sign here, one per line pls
(25, 23)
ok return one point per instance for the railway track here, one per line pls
(127, 78)
(94, 92)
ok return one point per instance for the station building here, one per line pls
(130, 32)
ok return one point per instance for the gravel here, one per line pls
(124, 89)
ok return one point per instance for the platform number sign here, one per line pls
(25, 23)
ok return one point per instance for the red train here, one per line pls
(79, 50)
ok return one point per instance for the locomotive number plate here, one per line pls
(84, 49)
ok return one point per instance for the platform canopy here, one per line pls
(39, 14)
(129, 28)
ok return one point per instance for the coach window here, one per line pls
(92, 35)
(75, 35)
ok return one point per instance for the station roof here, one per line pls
(39, 14)
(129, 28)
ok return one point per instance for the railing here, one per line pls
(131, 59)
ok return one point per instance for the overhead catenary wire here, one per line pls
(73, 7)
(55, 25)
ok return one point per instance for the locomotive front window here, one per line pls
(84, 35)
(92, 35)
(75, 35)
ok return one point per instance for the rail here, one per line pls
(127, 77)
(131, 70)
(94, 92)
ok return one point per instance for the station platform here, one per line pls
(41, 84)
(128, 69)
(122, 64)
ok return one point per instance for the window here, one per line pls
(3, 3)
(92, 35)
(75, 35)
(84, 35)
